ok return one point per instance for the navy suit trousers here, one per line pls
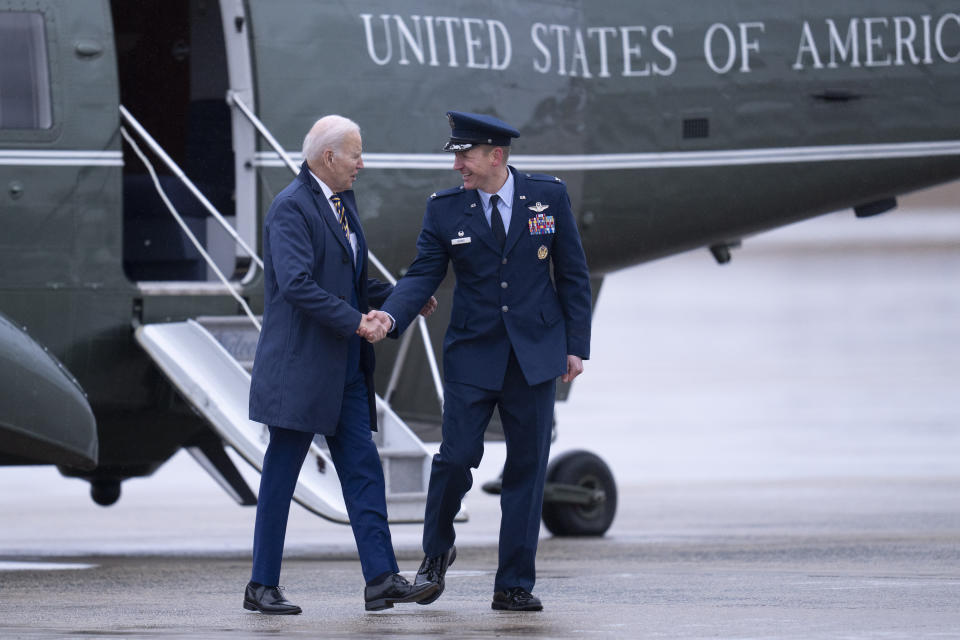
(358, 466)
(527, 415)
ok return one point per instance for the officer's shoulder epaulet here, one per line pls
(446, 192)
(543, 177)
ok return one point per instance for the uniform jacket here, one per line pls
(299, 370)
(533, 297)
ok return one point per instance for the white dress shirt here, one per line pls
(327, 192)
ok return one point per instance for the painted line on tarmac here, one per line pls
(44, 566)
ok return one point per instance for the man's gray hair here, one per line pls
(327, 133)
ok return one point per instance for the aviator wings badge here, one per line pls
(538, 208)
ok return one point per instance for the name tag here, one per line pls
(461, 240)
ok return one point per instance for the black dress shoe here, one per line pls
(259, 597)
(433, 569)
(516, 599)
(395, 588)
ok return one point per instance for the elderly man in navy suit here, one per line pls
(520, 319)
(313, 372)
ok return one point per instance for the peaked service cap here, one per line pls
(469, 129)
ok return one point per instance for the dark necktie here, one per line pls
(341, 216)
(496, 222)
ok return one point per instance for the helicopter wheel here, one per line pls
(105, 491)
(580, 470)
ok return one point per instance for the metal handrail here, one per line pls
(402, 353)
(233, 98)
(178, 172)
(186, 229)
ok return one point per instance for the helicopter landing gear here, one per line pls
(105, 491)
(580, 496)
(106, 482)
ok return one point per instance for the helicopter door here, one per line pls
(173, 79)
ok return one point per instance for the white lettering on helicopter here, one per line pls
(551, 42)
(631, 51)
(731, 46)
(486, 42)
(880, 42)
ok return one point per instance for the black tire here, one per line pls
(581, 469)
(105, 491)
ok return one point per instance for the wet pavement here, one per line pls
(799, 559)
(785, 433)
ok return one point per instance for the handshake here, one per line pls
(376, 324)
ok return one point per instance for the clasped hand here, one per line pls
(374, 326)
(429, 307)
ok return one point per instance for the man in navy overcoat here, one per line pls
(313, 372)
(520, 319)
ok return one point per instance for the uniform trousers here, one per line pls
(358, 466)
(526, 412)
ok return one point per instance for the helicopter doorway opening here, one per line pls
(173, 73)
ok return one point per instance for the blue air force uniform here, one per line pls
(518, 311)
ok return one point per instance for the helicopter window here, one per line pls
(24, 75)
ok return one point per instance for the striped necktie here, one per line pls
(341, 216)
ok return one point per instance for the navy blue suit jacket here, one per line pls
(299, 371)
(502, 299)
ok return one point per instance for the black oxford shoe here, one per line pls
(433, 569)
(259, 597)
(396, 589)
(516, 599)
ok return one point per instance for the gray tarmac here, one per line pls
(852, 559)
(785, 433)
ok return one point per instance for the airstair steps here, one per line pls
(236, 334)
(209, 360)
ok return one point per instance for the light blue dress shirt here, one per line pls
(504, 206)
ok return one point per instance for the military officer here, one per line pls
(520, 319)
